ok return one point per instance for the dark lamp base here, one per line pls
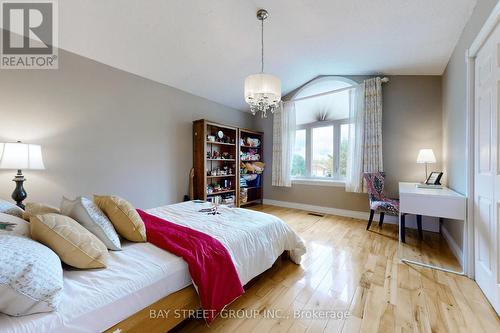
(19, 193)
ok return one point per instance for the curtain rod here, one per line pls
(385, 79)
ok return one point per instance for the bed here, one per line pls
(143, 274)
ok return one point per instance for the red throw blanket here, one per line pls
(210, 264)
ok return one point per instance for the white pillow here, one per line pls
(86, 212)
(11, 209)
(31, 277)
(21, 228)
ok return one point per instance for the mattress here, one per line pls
(94, 300)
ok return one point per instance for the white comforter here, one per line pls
(254, 239)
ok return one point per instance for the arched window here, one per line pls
(322, 130)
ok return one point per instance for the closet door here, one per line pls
(487, 173)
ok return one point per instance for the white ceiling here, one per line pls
(208, 47)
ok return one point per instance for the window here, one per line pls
(299, 155)
(322, 151)
(322, 131)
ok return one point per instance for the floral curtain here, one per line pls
(365, 134)
(284, 124)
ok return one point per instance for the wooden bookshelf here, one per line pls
(215, 159)
(234, 145)
(254, 192)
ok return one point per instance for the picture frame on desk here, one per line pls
(433, 181)
(434, 178)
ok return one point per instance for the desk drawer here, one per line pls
(451, 208)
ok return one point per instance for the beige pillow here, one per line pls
(75, 245)
(124, 217)
(13, 225)
(35, 208)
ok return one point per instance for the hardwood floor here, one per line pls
(350, 269)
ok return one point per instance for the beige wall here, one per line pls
(103, 131)
(411, 120)
(454, 109)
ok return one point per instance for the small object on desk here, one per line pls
(199, 201)
(421, 185)
(434, 178)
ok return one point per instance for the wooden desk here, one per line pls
(442, 203)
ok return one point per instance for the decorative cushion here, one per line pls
(31, 277)
(34, 208)
(375, 183)
(11, 209)
(124, 217)
(389, 206)
(85, 212)
(21, 227)
(75, 245)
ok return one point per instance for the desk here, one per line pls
(442, 203)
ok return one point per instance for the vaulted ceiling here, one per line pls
(208, 47)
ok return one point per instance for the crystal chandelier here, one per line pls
(262, 91)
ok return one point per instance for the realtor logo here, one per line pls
(29, 31)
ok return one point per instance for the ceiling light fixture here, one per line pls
(262, 91)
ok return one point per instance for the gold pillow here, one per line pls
(124, 217)
(34, 208)
(75, 245)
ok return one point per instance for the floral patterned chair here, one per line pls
(379, 203)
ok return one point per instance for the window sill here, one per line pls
(318, 182)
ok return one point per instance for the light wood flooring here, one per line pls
(349, 268)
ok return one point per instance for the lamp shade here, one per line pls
(21, 156)
(426, 156)
(262, 87)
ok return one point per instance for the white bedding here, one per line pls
(94, 300)
(254, 239)
(141, 274)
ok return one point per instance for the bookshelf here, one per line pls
(215, 160)
(220, 170)
(251, 155)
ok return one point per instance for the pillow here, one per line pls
(11, 209)
(85, 212)
(34, 208)
(20, 227)
(124, 217)
(31, 277)
(75, 245)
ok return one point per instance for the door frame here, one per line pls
(470, 59)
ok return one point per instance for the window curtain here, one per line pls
(365, 134)
(284, 124)
(355, 140)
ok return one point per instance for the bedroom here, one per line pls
(112, 110)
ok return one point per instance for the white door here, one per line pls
(487, 168)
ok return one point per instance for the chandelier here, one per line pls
(262, 91)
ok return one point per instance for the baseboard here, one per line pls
(330, 210)
(457, 251)
(429, 224)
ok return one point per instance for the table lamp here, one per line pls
(20, 156)
(426, 156)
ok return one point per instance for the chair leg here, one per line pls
(419, 226)
(381, 221)
(372, 212)
(402, 228)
